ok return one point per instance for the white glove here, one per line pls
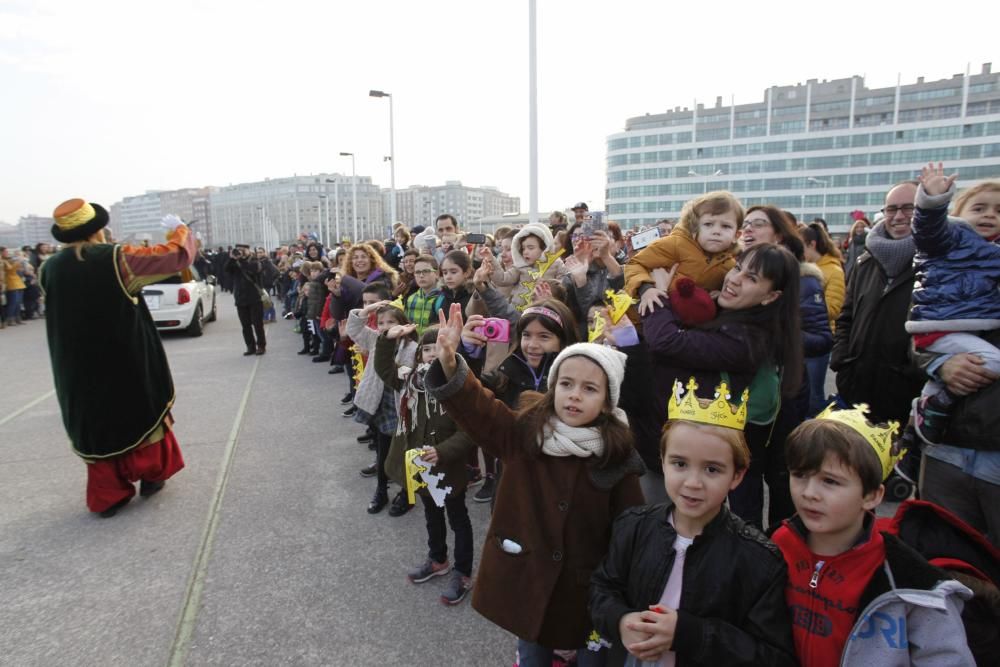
(171, 222)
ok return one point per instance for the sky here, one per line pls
(105, 99)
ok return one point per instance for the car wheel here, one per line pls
(212, 316)
(196, 326)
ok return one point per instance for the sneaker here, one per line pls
(365, 438)
(458, 587)
(428, 570)
(485, 493)
(378, 503)
(908, 467)
(929, 422)
(370, 471)
(347, 399)
(475, 476)
(400, 505)
(349, 412)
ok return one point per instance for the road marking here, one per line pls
(196, 583)
(27, 407)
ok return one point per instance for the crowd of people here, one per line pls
(20, 296)
(670, 481)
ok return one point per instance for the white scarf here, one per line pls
(560, 439)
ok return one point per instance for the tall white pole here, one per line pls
(354, 196)
(532, 117)
(336, 207)
(392, 169)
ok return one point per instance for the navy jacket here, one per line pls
(817, 337)
(958, 272)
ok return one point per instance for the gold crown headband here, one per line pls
(879, 437)
(718, 412)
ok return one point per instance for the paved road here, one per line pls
(293, 570)
(260, 552)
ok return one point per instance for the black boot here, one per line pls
(147, 489)
(379, 501)
(113, 510)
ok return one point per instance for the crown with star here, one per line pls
(880, 437)
(717, 411)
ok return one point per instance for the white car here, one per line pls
(185, 301)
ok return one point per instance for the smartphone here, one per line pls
(430, 243)
(477, 239)
(643, 239)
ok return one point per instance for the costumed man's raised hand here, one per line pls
(171, 222)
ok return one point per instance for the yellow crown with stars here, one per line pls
(618, 304)
(879, 437)
(718, 411)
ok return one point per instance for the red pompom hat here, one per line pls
(690, 303)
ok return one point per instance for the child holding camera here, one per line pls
(532, 252)
(702, 245)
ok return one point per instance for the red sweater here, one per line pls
(824, 592)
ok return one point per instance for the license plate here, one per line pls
(152, 301)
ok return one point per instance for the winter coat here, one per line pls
(245, 275)
(11, 268)
(855, 249)
(349, 298)
(833, 286)
(491, 303)
(422, 423)
(315, 300)
(581, 299)
(670, 353)
(682, 249)
(870, 345)
(368, 394)
(557, 509)
(975, 420)
(911, 612)
(732, 609)
(958, 272)
(817, 337)
(268, 273)
(460, 296)
(422, 309)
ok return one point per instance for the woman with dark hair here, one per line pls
(407, 284)
(591, 269)
(753, 340)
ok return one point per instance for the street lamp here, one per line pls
(336, 206)
(354, 186)
(392, 157)
(324, 222)
(820, 181)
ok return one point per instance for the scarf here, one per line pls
(560, 439)
(894, 255)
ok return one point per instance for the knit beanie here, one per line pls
(530, 229)
(690, 303)
(609, 359)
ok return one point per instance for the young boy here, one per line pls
(858, 596)
(702, 246)
(422, 306)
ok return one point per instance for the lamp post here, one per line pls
(820, 181)
(392, 157)
(336, 206)
(532, 114)
(324, 222)
(354, 195)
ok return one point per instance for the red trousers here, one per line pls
(110, 481)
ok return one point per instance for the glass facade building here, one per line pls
(819, 149)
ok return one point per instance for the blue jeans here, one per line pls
(816, 368)
(531, 654)
(13, 309)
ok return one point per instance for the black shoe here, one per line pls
(370, 471)
(400, 505)
(349, 412)
(348, 398)
(147, 489)
(365, 438)
(485, 492)
(113, 510)
(260, 349)
(908, 467)
(250, 351)
(321, 359)
(378, 503)
(339, 368)
(304, 350)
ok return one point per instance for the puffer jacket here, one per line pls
(958, 272)
(834, 285)
(732, 609)
(679, 248)
(817, 337)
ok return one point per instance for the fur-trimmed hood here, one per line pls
(530, 229)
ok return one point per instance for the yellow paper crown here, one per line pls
(398, 303)
(618, 304)
(879, 437)
(413, 469)
(598, 329)
(718, 412)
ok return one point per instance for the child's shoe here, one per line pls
(458, 587)
(475, 476)
(378, 503)
(929, 421)
(908, 467)
(428, 570)
(370, 471)
(400, 505)
(485, 492)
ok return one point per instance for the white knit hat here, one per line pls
(609, 359)
(530, 229)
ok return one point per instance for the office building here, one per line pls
(421, 204)
(29, 230)
(818, 149)
(138, 217)
(279, 210)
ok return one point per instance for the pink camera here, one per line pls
(495, 329)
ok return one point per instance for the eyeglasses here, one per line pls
(756, 224)
(891, 211)
(424, 272)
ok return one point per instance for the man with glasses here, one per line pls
(871, 346)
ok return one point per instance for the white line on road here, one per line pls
(27, 407)
(192, 598)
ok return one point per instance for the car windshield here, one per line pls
(185, 276)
